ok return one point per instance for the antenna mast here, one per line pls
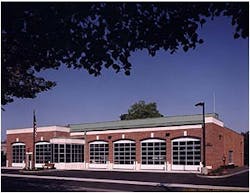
(214, 101)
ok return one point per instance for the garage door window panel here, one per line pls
(153, 151)
(186, 151)
(124, 151)
(98, 152)
(18, 152)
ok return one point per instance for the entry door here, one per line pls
(28, 160)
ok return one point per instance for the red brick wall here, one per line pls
(138, 136)
(27, 139)
(214, 145)
(219, 141)
(235, 142)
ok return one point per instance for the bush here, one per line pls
(3, 159)
(221, 169)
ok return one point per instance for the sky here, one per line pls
(219, 67)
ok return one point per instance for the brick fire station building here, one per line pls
(166, 143)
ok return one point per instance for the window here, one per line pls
(18, 152)
(124, 152)
(55, 153)
(65, 153)
(230, 157)
(98, 152)
(68, 152)
(43, 152)
(186, 151)
(153, 151)
(61, 151)
(77, 153)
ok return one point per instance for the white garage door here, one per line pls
(186, 153)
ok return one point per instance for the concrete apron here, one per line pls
(115, 170)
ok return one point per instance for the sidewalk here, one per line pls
(116, 170)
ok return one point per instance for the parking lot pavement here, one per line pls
(241, 180)
(13, 184)
(34, 183)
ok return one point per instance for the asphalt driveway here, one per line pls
(240, 180)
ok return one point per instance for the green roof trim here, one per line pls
(141, 123)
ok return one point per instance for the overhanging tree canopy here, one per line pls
(90, 36)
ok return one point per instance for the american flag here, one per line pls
(34, 124)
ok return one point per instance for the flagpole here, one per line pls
(34, 139)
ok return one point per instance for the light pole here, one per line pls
(203, 131)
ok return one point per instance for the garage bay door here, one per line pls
(186, 153)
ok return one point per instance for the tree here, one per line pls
(141, 110)
(246, 147)
(90, 36)
(3, 159)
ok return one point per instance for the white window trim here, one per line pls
(39, 129)
(124, 141)
(42, 143)
(98, 142)
(16, 144)
(185, 139)
(67, 141)
(152, 141)
(143, 129)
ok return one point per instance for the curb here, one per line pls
(224, 176)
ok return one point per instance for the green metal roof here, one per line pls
(140, 123)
